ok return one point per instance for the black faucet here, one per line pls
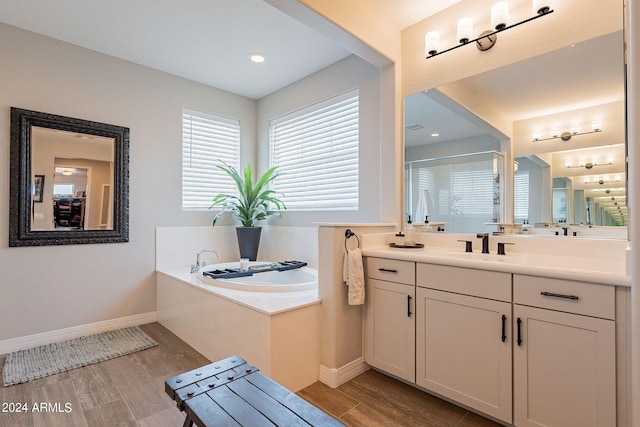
(485, 242)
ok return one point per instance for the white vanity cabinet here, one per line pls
(463, 336)
(564, 353)
(390, 316)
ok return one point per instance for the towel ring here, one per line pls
(347, 235)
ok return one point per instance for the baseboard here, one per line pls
(334, 377)
(22, 343)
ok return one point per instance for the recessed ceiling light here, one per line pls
(435, 134)
(256, 57)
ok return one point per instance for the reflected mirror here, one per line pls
(69, 180)
(578, 179)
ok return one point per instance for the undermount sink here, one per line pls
(481, 257)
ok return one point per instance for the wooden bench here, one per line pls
(230, 392)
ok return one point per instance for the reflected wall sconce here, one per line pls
(601, 180)
(588, 165)
(610, 190)
(574, 130)
(486, 40)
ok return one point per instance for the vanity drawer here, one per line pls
(391, 270)
(467, 281)
(589, 299)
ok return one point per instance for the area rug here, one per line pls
(38, 362)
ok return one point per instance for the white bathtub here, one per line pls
(277, 331)
(299, 279)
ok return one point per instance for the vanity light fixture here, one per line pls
(574, 130)
(588, 165)
(601, 180)
(609, 190)
(486, 40)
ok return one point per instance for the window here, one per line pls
(316, 151)
(521, 196)
(207, 141)
(473, 191)
(63, 190)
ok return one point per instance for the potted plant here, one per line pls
(253, 203)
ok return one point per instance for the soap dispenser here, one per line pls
(409, 233)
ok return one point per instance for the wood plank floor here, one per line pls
(129, 391)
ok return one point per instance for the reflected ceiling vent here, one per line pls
(416, 126)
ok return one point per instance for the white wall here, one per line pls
(54, 287)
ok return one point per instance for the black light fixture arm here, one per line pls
(491, 34)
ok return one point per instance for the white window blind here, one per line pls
(474, 192)
(521, 196)
(316, 151)
(207, 141)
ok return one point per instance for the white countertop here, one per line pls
(596, 270)
(269, 303)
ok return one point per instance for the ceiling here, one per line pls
(202, 40)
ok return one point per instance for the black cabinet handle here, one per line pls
(408, 305)
(551, 294)
(504, 328)
(388, 270)
(519, 322)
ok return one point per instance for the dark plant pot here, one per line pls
(248, 241)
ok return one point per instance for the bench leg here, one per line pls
(188, 422)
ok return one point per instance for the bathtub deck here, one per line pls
(269, 303)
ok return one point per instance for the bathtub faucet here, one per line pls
(195, 267)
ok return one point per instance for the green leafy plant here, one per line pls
(254, 200)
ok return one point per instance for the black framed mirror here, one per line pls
(69, 181)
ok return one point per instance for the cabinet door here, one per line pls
(390, 328)
(564, 369)
(463, 350)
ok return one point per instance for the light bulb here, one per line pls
(596, 125)
(256, 57)
(500, 15)
(465, 29)
(432, 42)
(540, 7)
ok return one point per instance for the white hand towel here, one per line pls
(424, 206)
(353, 276)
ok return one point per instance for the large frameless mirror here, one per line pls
(69, 180)
(577, 180)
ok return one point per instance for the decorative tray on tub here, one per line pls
(412, 246)
(229, 273)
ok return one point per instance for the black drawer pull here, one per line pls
(387, 270)
(519, 322)
(551, 294)
(408, 305)
(504, 328)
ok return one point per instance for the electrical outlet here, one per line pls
(38, 215)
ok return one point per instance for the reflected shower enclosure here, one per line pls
(464, 192)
